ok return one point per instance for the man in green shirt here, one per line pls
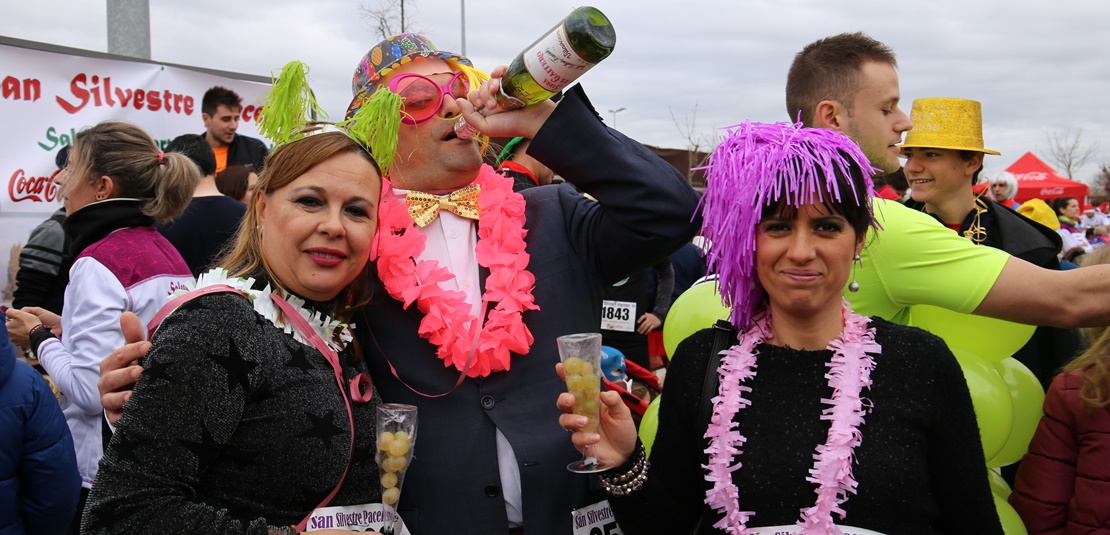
(849, 83)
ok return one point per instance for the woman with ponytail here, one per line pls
(115, 186)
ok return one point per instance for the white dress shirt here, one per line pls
(452, 241)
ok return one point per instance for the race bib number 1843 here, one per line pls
(618, 316)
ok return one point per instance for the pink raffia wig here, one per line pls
(761, 169)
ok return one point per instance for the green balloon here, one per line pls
(984, 339)
(994, 410)
(1028, 400)
(649, 423)
(1011, 522)
(999, 487)
(696, 309)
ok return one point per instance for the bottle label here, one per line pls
(553, 63)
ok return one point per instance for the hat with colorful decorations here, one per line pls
(394, 52)
(376, 115)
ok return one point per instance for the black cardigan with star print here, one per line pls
(234, 427)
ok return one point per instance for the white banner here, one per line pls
(47, 97)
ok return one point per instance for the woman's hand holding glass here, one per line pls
(613, 440)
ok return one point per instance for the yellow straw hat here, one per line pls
(947, 123)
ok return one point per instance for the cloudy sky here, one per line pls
(1037, 66)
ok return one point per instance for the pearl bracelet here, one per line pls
(626, 483)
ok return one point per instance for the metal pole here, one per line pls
(463, 18)
(615, 112)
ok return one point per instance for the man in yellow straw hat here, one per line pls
(944, 156)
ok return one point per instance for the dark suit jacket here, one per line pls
(246, 150)
(645, 212)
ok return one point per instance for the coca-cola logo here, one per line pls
(1035, 175)
(1048, 192)
(32, 188)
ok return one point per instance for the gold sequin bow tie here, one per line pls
(424, 207)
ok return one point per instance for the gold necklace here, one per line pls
(977, 233)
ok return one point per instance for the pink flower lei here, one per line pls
(849, 373)
(448, 322)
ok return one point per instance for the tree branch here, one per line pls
(1068, 151)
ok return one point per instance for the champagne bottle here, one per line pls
(552, 62)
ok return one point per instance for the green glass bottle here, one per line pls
(552, 62)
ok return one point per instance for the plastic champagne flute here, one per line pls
(581, 356)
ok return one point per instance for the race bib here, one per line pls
(793, 530)
(596, 519)
(370, 517)
(618, 316)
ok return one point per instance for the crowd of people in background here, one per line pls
(215, 325)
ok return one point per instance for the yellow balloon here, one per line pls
(696, 309)
(994, 410)
(649, 423)
(1011, 522)
(985, 339)
(1028, 401)
(999, 487)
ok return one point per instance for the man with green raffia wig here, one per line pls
(848, 83)
(490, 456)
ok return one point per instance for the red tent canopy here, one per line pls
(1036, 180)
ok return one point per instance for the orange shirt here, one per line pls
(221, 158)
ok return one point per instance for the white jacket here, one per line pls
(132, 269)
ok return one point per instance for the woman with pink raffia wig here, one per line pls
(801, 416)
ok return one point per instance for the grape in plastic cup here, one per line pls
(581, 356)
(396, 432)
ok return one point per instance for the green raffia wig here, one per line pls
(377, 121)
(289, 104)
(291, 110)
